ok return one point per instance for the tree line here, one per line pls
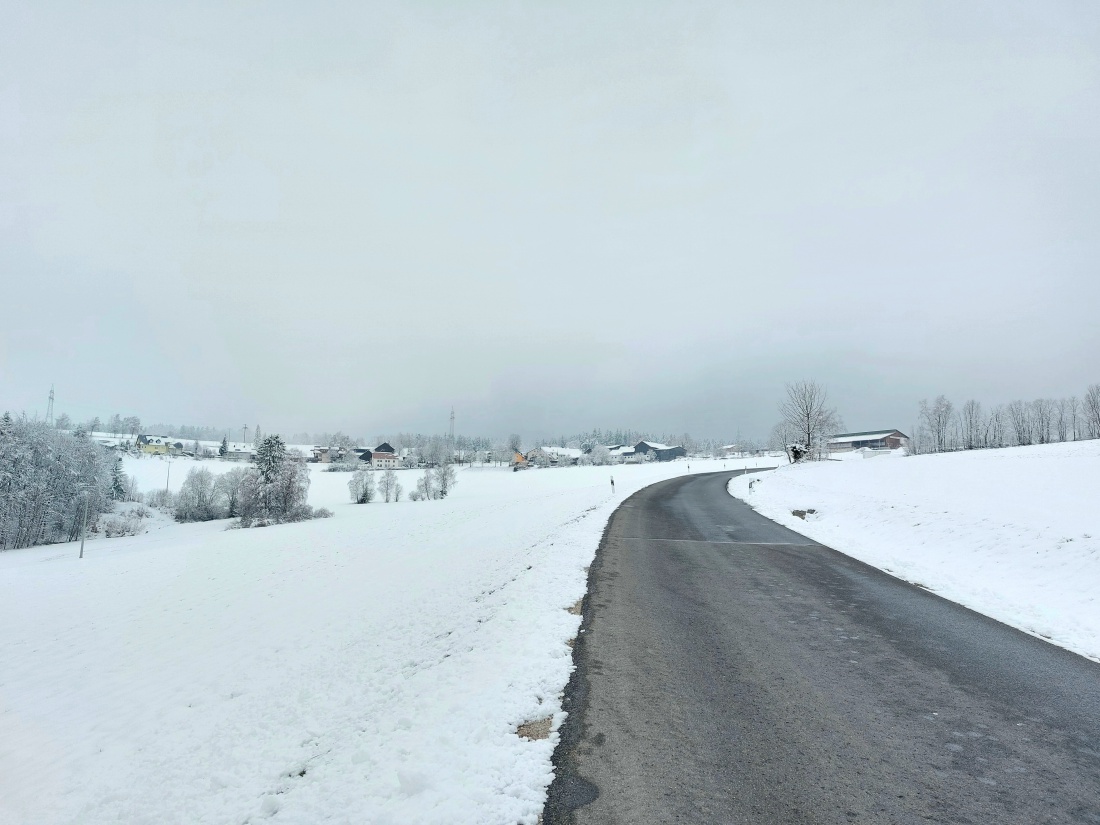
(943, 427)
(53, 484)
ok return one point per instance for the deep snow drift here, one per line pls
(1012, 533)
(371, 667)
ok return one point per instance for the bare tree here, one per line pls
(132, 424)
(198, 498)
(781, 435)
(361, 486)
(445, 478)
(1074, 410)
(1042, 418)
(995, 427)
(425, 487)
(806, 415)
(972, 425)
(1090, 408)
(1019, 419)
(937, 419)
(228, 488)
(1061, 419)
(388, 485)
(514, 443)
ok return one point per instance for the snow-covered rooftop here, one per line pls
(621, 449)
(564, 452)
(844, 438)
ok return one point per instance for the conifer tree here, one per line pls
(118, 481)
(270, 455)
(224, 448)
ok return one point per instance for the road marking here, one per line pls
(705, 541)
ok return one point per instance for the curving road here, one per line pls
(733, 671)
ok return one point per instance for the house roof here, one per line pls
(656, 445)
(384, 447)
(870, 435)
(564, 452)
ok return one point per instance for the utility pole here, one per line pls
(244, 437)
(451, 438)
(49, 408)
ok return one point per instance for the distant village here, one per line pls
(385, 457)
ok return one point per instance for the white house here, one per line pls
(238, 452)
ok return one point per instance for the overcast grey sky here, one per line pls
(552, 215)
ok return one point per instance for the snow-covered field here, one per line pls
(1012, 533)
(372, 667)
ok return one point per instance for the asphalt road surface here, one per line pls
(732, 671)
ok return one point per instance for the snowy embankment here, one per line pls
(1012, 533)
(372, 667)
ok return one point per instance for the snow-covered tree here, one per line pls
(119, 483)
(807, 416)
(223, 450)
(197, 499)
(227, 487)
(132, 424)
(361, 486)
(936, 418)
(46, 476)
(445, 479)
(1091, 410)
(276, 490)
(1019, 419)
(425, 486)
(972, 424)
(340, 441)
(388, 485)
(270, 457)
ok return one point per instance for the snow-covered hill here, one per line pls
(1012, 533)
(372, 667)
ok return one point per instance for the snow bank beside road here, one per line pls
(1012, 533)
(371, 667)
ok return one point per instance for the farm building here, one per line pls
(871, 440)
(660, 452)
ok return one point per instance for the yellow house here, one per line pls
(153, 444)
